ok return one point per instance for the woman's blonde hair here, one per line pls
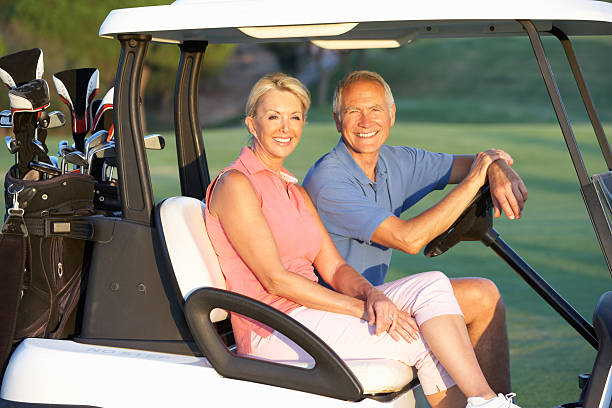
(280, 81)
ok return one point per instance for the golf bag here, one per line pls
(47, 271)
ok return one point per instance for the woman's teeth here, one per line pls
(364, 135)
(279, 140)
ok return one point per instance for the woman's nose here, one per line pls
(285, 125)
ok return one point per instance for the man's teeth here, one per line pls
(280, 140)
(366, 134)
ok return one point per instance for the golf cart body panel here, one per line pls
(128, 377)
(162, 338)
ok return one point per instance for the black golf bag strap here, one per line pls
(13, 248)
(66, 227)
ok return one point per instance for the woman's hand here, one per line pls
(382, 312)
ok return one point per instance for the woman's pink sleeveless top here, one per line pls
(296, 234)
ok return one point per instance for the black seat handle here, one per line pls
(329, 377)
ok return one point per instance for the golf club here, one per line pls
(6, 119)
(154, 142)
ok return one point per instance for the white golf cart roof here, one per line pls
(239, 21)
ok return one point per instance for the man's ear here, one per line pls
(338, 123)
(392, 114)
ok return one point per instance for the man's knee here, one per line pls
(478, 294)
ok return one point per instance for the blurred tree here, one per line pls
(67, 31)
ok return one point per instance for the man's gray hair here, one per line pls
(356, 76)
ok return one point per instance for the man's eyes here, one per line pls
(371, 109)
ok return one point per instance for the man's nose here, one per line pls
(364, 119)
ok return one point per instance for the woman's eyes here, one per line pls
(276, 117)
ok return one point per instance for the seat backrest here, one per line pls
(191, 253)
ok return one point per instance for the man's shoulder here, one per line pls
(397, 152)
(408, 155)
(327, 167)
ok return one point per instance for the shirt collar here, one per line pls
(253, 165)
(344, 156)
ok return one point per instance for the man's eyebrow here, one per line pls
(376, 105)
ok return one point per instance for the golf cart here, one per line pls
(153, 326)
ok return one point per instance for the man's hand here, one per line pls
(507, 189)
(387, 317)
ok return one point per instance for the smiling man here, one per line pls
(362, 186)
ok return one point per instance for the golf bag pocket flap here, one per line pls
(69, 194)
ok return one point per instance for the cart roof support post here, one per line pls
(193, 168)
(133, 169)
(585, 94)
(589, 194)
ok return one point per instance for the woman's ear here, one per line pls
(250, 124)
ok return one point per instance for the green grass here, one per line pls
(554, 236)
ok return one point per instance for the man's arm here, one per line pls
(507, 189)
(412, 235)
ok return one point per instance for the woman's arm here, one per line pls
(345, 279)
(234, 202)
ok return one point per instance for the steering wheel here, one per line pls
(471, 225)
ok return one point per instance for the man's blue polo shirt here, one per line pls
(352, 206)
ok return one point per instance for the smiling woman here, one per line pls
(275, 114)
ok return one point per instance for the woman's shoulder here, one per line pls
(231, 180)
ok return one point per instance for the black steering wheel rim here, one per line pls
(471, 225)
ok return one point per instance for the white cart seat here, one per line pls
(195, 265)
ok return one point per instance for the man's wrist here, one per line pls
(497, 165)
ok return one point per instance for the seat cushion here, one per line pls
(195, 265)
(381, 375)
(376, 375)
(193, 258)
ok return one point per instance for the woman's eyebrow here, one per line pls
(278, 112)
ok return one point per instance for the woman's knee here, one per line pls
(437, 280)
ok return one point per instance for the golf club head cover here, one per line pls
(77, 88)
(21, 67)
(102, 112)
(32, 96)
(27, 102)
